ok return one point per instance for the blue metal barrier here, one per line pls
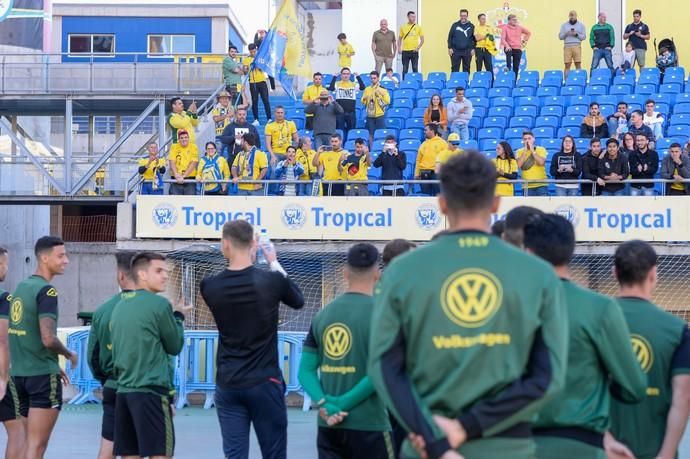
(81, 376)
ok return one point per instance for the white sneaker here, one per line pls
(256, 122)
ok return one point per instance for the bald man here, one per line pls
(383, 46)
(572, 33)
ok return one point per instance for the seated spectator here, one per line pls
(460, 113)
(392, 163)
(452, 150)
(506, 168)
(676, 166)
(425, 167)
(183, 160)
(250, 164)
(289, 170)
(628, 144)
(325, 112)
(618, 121)
(375, 99)
(389, 76)
(644, 163)
(653, 119)
(305, 156)
(436, 113)
(355, 167)
(531, 159)
(613, 167)
(213, 167)
(327, 160)
(566, 165)
(151, 169)
(182, 120)
(590, 168)
(233, 132)
(637, 126)
(628, 58)
(594, 125)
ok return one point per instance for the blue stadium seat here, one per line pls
(550, 144)
(624, 80)
(299, 123)
(558, 101)
(480, 84)
(411, 134)
(488, 145)
(553, 74)
(601, 73)
(527, 83)
(417, 76)
(649, 78)
(664, 144)
(568, 130)
(580, 100)
(663, 98)
(575, 80)
(600, 80)
(681, 107)
(515, 143)
(423, 102)
(456, 82)
(508, 83)
(663, 108)
(607, 110)
(483, 75)
(406, 94)
(476, 92)
(414, 123)
(410, 84)
(480, 111)
(502, 102)
(571, 121)
(544, 132)
(646, 89)
(608, 99)
(578, 72)
(498, 92)
(620, 89)
(495, 122)
(679, 131)
(630, 73)
(571, 90)
(674, 78)
(682, 97)
(550, 121)
(474, 125)
(479, 101)
(581, 110)
(395, 123)
(553, 110)
(403, 103)
(427, 92)
(526, 110)
(596, 90)
(528, 100)
(543, 91)
(650, 71)
(523, 91)
(353, 134)
(530, 74)
(381, 134)
(448, 93)
(523, 122)
(680, 118)
(551, 82)
(632, 99)
(671, 88)
(350, 144)
(437, 76)
(513, 133)
(410, 147)
(469, 145)
(434, 84)
(489, 133)
(389, 85)
(459, 76)
(398, 112)
(505, 112)
(306, 133)
(582, 145)
(418, 112)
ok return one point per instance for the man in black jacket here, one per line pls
(233, 132)
(644, 163)
(590, 167)
(613, 167)
(461, 43)
(392, 163)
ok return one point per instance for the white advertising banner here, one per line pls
(597, 219)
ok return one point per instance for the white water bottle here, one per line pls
(264, 242)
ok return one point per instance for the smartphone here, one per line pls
(327, 148)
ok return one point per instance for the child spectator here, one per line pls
(390, 77)
(628, 58)
(289, 170)
(345, 51)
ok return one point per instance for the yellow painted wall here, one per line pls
(542, 17)
(669, 21)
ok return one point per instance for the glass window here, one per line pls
(103, 44)
(87, 44)
(164, 45)
(183, 44)
(79, 44)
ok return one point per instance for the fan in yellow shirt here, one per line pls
(452, 150)
(249, 164)
(345, 51)
(410, 40)
(151, 170)
(531, 160)
(506, 168)
(425, 166)
(280, 134)
(355, 167)
(328, 159)
(213, 167)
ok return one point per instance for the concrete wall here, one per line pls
(20, 226)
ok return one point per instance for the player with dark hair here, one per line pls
(395, 248)
(661, 341)
(466, 352)
(100, 355)
(145, 332)
(353, 420)
(498, 228)
(245, 302)
(599, 355)
(515, 222)
(10, 412)
(35, 347)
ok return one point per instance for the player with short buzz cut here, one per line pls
(145, 332)
(353, 420)
(35, 347)
(599, 355)
(100, 354)
(10, 413)
(661, 341)
(465, 352)
(515, 221)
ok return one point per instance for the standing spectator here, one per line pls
(461, 43)
(613, 167)
(346, 96)
(601, 39)
(280, 134)
(628, 144)
(392, 163)
(257, 85)
(152, 170)
(311, 96)
(618, 121)
(644, 163)
(355, 167)
(590, 168)
(327, 160)
(425, 166)
(531, 159)
(410, 40)
(594, 125)
(325, 113)
(572, 33)
(444, 155)
(345, 51)
(483, 36)
(232, 74)
(637, 126)
(181, 119)
(566, 165)
(289, 170)
(676, 166)
(305, 156)
(460, 113)
(213, 167)
(233, 132)
(383, 47)
(638, 34)
(250, 164)
(376, 99)
(653, 119)
(245, 303)
(506, 169)
(222, 114)
(183, 160)
(514, 38)
(436, 114)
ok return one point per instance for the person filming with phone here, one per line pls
(392, 163)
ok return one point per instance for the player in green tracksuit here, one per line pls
(661, 341)
(573, 424)
(468, 329)
(145, 332)
(354, 421)
(100, 355)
